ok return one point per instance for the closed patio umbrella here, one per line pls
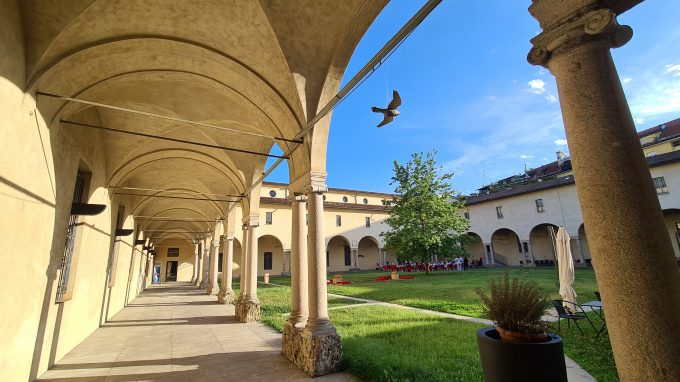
(565, 264)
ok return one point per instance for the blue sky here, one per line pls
(469, 93)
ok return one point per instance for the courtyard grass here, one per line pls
(454, 292)
(390, 344)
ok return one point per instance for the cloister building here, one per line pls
(510, 219)
(353, 220)
(122, 119)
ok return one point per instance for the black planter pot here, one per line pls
(527, 362)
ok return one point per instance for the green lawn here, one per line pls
(390, 344)
(369, 331)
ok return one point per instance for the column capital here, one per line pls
(571, 24)
(251, 220)
(216, 243)
(297, 198)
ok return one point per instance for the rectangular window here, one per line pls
(67, 257)
(660, 184)
(539, 206)
(348, 256)
(173, 252)
(338, 221)
(499, 212)
(267, 261)
(467, 215)
(268, 218)
(368, 221)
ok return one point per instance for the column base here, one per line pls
(225, 296)
(319, 353)
(198, 283)
(292, 343)
(203, 285)
(285, 273)
(354, 269)
(212, 290)
(247, 310)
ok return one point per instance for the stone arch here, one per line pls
(338, 252)
(542, 245)
(505, 246)
(368, 254)
(475, 246)
(269, 247)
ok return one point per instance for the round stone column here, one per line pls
(226, 294)
(321, 348)
(195, 275)
(298, 280)
(634, 261)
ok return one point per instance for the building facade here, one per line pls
(510, 220)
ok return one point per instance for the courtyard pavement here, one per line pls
(175, 332)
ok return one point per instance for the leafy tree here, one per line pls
(424, 220)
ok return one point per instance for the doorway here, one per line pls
(171, 271)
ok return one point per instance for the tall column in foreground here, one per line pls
(321, 347)
(636, 271)
(298, 282)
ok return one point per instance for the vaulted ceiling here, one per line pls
(262, 68)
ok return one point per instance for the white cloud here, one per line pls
(537, 86)
(654, 96)
(491, 98)
(551, 98)
(675, 69)
(526, 156)
(560, 142)
(626, 80)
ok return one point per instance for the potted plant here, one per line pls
(518, 347)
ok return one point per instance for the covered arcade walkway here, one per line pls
(176, 332)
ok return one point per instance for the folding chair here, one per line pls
(570, 314)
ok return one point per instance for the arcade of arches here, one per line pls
(88, 194)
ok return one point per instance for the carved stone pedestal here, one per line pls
(247, 311)
(292, 343)
(225, 296)
(212, 290)
(319, 353)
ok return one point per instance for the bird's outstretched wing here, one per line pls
(376, 109)
(396, 100)
(386, 120)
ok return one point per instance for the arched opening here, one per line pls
(369, 253)
(475, 247)
(672, 218)
(542, 245)
(581, 246)
(338, 254)
(269, 255)
(506, 247)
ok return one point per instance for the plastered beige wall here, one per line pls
(185, 261)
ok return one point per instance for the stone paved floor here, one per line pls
(176, 332)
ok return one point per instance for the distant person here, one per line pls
(466, 263)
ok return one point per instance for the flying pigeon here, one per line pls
(391, 110)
